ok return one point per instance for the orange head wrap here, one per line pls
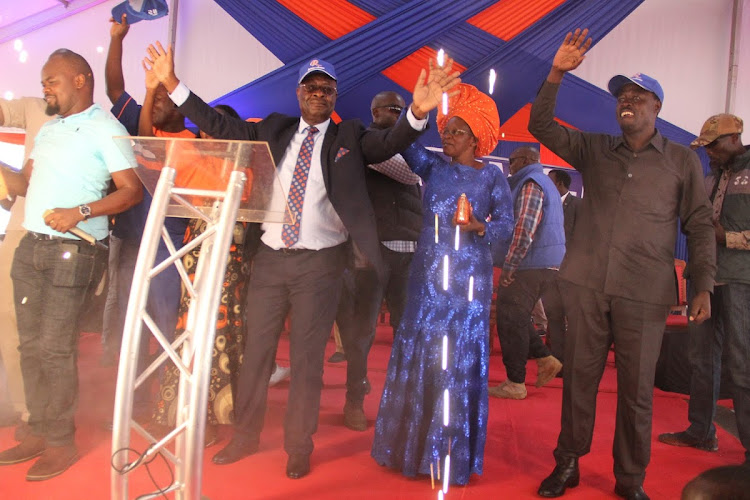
(479, 112)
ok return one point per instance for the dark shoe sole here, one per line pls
(570, 483)
(671, 439)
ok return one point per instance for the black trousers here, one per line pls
(596, 321)
(361, 297)
(519, 340)
(556, 322)
(306, 284)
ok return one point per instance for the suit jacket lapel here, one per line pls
(324, 155)
(278, 148)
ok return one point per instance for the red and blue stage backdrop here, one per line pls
(381, 45)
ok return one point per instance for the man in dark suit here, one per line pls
(298, 268)
(552, 299)
(570, 201)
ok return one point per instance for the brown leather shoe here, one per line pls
(549, 367)
(29, 448)
(354, 417)
(54, 461)
(508, 390)
(23, 430)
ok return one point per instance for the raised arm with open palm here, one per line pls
(570, 55)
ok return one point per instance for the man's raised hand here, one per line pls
(571, 53)
(119, 28)
(161, 63)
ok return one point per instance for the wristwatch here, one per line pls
(85, 210)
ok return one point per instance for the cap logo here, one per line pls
(153, 12)
(637, 76)
(314, 62)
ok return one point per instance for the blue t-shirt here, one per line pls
(73, 158)
(129, 224)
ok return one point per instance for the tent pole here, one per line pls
(734, 56)
(173, 4)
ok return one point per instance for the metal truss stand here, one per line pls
(191, 352)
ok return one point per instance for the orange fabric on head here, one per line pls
(479, 111)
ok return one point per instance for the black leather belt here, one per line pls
(293, 251)
(284, 250)
(49, 237)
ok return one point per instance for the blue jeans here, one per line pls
(51, 279)
(728, 328)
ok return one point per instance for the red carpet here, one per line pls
(521, 437)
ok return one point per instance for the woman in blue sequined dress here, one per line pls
(410, 432)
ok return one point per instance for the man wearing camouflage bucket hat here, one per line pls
(728, 186)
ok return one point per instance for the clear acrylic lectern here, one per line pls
(220, 182)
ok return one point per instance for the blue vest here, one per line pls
(548, 248)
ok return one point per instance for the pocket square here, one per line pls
(341, 153)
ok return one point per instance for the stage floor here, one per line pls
(518, 455)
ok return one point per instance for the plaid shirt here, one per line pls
(401, 246)
(396, 168)
(528, 213)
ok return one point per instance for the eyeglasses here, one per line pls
(715, 142)
(456, 132)
(393, 108)
(310, 88)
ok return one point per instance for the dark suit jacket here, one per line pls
(344, 178)
(570, 212)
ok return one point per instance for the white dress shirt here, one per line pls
(321, 227)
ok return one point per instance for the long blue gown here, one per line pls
(410, 433)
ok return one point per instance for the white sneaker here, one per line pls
(280, 373)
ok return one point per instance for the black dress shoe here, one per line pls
(685, 439)
(564, 476)
(630, 493)
(237, 449)
(297, 466)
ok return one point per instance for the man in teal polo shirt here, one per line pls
(69, 172)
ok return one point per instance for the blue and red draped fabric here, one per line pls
(381, 45)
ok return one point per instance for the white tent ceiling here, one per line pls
(683, 43)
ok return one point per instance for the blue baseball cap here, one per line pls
(138, 10)
(316, 66)
(642, 80)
